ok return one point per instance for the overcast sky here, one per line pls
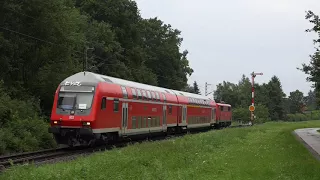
(228, 38)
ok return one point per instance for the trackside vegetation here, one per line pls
(268, 151)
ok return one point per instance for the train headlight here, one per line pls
(86, 123)
(55, 122)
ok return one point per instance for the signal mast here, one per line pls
(252, 108)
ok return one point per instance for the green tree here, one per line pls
(244, 92)
(313, 69)
(161, 44)
(262, 94)
(192, 89)
(295, 101)
(276, 95)
(227, 92)
(310, 100)
(33, 67)
(196, 88)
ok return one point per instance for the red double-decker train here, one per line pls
(88, 107)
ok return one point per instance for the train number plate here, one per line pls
(71, 117)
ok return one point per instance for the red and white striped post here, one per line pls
(253, 75)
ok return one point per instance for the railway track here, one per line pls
(29, 157)
(43, 156)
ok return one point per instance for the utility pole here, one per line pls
(206, 89)
(85, 64)
(252, 108)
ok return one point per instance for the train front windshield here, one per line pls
(71, 100)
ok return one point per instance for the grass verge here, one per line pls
(268, 151)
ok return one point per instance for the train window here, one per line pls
(116, 105)
(144, 122)
(144, 95)
(164, 97)
(170, 109)
(149, 95)
(134, 94)
(157, 96)
(158, 119)
(149, 122)
(139, 123)
(221, 108)
(139, 94)
(153, 95)
(153, 124)
(134, 122)
(124, 92)
(104, 103)
(213, 113)
(229, 108)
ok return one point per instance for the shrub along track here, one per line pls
(65, 153)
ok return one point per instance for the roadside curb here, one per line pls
(306, 145)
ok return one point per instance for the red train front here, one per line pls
(73, 111)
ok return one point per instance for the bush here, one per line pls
(243, 114)
(21, 127)
(312, 115)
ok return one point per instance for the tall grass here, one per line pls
(268, 151)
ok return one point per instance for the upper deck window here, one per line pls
(149, 95)
(164, 97)
(144, 95)
(124, 92)
(157, 96)
(139, 94)
(134, 94)
(153, 95)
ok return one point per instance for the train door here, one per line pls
(179, 117)
(124, 123)
(164, 118)
(184, 114)
(213, 115)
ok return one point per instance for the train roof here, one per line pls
(90, 78)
